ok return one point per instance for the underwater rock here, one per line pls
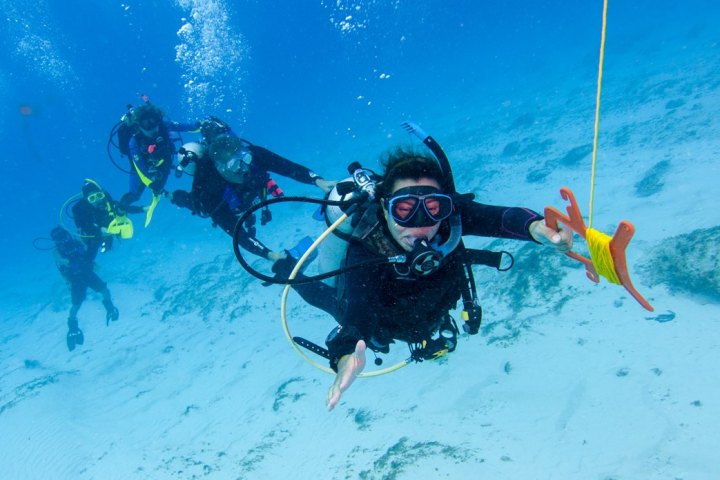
(32, 364)
(622, 136)
(673, 104)
(662, 318)
(30, 389)
(364, 418)
(527, 147)
(523, 121)
(532, 289)
(537, 176)
(688, 263)
(208, 291)
(404, 454)
(576, 155)
(283, 394)
(534, 281)
(652, 182)
(537, 147)
(511, 149)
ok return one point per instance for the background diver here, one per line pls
(152, 150)
(76, 264)
(231, 174)
(99, 218)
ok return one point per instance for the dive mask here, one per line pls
(238, 164)
(95, 197)
(419, 206)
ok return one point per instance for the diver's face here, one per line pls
(96, 199)
(406, 236)
(149, 126)
(235, 163)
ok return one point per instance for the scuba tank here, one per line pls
(332, 253)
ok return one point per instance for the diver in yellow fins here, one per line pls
(99, 218)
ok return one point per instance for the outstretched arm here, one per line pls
(273, 162)
(497, 221)
(512, 222)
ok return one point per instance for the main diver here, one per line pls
(414, 214)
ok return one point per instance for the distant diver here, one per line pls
(99, 218)
(76, 265)
(231, 174)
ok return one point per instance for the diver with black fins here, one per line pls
(99, 218)
(229, 175)
(76, 264)
(405, 265)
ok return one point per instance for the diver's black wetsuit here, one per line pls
(223, 201)
(152, 158)
(90, 220)
(75, 263)
(378, 305)
(205, 197)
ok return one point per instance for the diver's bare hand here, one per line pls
(349, 367)
(275, 256)
(325, 185)
(562, 239)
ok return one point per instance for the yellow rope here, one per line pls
(598, 242)
(597, 112)
(599, 245)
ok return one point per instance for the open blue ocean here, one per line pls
(568, 379)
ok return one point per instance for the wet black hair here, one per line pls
(224, 145)
(147, 111)
(403, 163)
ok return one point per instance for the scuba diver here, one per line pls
(207, 197)
(405, 266)
(229, 175)
(76, 265)
(151, 149)
(99, 218)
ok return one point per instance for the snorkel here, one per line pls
(420, 259)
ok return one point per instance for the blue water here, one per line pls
(292, 80)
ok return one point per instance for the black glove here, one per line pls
(265, 216)
(181, 198)
(471, 324)
(282, 269)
